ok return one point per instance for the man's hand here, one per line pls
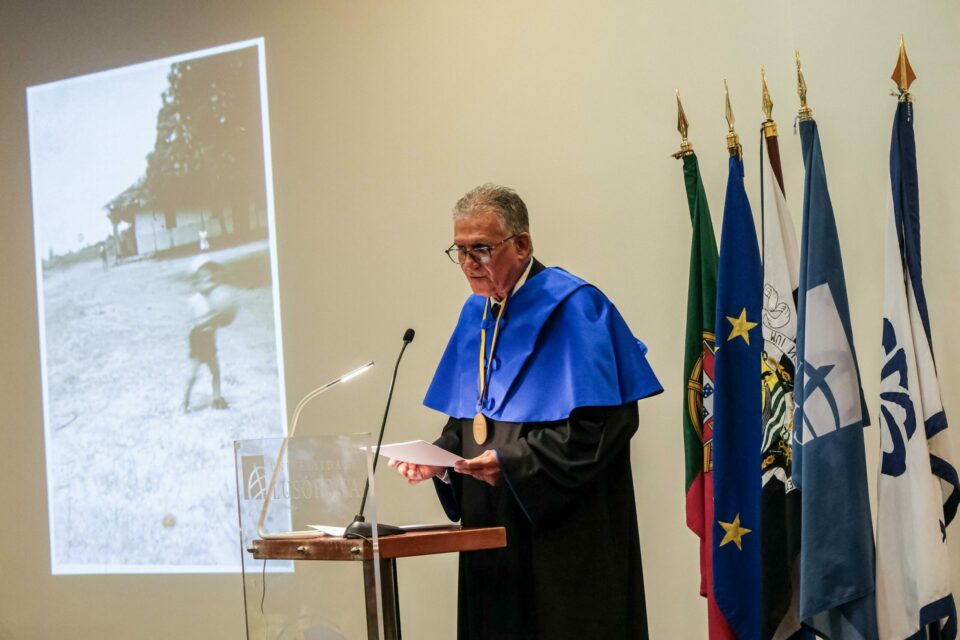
(415, 473)
(485, 467)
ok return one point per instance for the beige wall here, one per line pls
(382, 114)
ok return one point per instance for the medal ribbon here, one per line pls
(484, 375)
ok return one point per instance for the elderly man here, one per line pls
(540, 381)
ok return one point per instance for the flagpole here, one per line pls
(733, 140)
(767, 125)
(903, 74)
(768, 141)
(806, 113)
(770, 131)
(763, 220)
(686, 149)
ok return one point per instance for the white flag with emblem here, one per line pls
(917, 482)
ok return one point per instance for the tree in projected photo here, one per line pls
(205, 171)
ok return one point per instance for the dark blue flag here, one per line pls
(737, 427)
(829, 465)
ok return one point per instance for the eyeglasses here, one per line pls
(480, 254)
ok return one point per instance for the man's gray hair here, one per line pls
(503, 201)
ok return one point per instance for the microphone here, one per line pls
(360, 528)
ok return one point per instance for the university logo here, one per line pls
(700, 392)
(828, 373)
(896, 406)
(254, 473)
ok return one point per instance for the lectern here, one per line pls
(412, 543)
(304, 586)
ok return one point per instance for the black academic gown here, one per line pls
(571, 568)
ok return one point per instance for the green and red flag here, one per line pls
(698, 357)
(698, 376)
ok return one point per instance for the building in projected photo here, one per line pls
(159, 319)
(142, 229)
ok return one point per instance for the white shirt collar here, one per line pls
(520, 282)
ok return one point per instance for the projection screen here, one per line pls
(158, 306)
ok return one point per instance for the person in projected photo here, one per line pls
(212, 307)
(540, 383)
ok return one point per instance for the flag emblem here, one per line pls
(896, 407)
(741, 327)
(700, 398)
(734, 532)
(831, 383)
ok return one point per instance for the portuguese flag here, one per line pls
(698, 382)
(698, 358)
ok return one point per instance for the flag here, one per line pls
(779, 500)
(829, 465)
(736, 420)
(698, 377)
(917, 487)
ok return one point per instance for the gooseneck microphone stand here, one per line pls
(261, 524)
(360, 528)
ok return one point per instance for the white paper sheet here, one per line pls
(419, 452)
(337, 532)
(444, 526)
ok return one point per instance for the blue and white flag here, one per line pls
(917, 486)
(829, 466)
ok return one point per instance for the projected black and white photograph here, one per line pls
(159, 316)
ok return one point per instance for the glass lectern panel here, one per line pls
(300, 582)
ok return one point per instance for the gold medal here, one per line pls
(480, 428)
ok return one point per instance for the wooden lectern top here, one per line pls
(411, 543)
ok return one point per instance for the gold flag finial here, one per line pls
(733, 140)
(903, 73)
(683, 126)
(769, 126)
(806, 113)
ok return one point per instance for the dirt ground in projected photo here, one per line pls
(134, 479)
